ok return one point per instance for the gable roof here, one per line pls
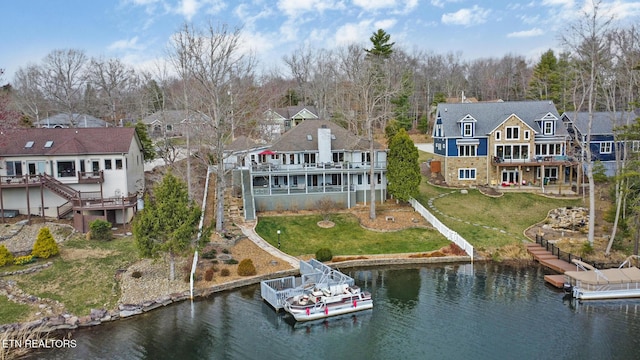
(66, 120)
(241, 143)
(490, 115)
(67, 141)
(603, 121)
(295, 140)
(291, 112)
(173, 117)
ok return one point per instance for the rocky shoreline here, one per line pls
(65, 322)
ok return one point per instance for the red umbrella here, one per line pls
(267, 152)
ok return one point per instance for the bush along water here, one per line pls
(323, 255)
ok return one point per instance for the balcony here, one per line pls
(314, 167)
(537, 160)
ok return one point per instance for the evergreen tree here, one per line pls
(45, 245)
(380, 45)
(148, 150)
(6, 257)
(544, 84)
(168, 222)
(403, 170)
(401, 103)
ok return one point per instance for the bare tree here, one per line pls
(64, 80)
(112, 79)
(28, 93)
(586, 40)
(210, 60)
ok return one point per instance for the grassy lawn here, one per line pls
(506, 217)
(300, 235)
(10, 312)
(82, 276)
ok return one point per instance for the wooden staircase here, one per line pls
(63, 191)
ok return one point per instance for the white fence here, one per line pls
(442, 228)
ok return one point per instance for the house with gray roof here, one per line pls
(82, 173)
(71, 121)
(279, 120)
(173, 123)
(602, 144)
(313, 161)
(520, 143)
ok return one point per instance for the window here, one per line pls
(338, 157)
(498, 135)
(467, 129)
(466, 174)
(66, 168)
(527, 134)
(605, 147)
(549, 149)
(118, 164)
(467, 150)
(309, 137)
(359, 179)
(48, 144)
(107, 164)
(169, 127)
(635, 146)
(547, 128)
(14, 168)
(517, 152)
(29, 144)
(512, 133)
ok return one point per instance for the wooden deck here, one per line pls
(546, 258)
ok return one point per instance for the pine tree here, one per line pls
(168, 223)
(403, 169)
(45, 245)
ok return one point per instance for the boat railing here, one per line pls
(627, 261)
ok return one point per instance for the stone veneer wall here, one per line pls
(472, 162)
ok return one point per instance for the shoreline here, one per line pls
(68, 322)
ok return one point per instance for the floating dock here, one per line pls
(312, 273)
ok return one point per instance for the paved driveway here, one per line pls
(426, 147)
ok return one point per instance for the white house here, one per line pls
(86, 173)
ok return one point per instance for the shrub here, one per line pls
(100, 230)
(323, 255)
(587, 249)
(246, 268)
(6, 257)
(208, 275)
(225, 251)
(45, 245)
(231, 262)
(211, 254)
(23, 260)
(136, 274)
(225, 272)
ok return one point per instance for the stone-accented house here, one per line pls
(603, 145)
(521, 143)
(85, 173)
(315, 160)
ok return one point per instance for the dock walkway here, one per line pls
(551, 261)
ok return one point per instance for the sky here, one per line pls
(138, 31)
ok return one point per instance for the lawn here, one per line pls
(11, 312)
(82, 276)
(488, 222)
(300, 235)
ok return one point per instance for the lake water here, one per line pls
(461, 311)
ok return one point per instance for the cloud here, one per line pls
(526, 33)
(370, 5)
(385, 24)
(467, 17)
(125, 44)
(293, 8)
(442, 3)
(354, 33)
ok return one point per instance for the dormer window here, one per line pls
(467, 129)
(309, 137)
(547, 128)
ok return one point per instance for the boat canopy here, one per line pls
(607, 276)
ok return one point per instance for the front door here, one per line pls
(510, 176)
